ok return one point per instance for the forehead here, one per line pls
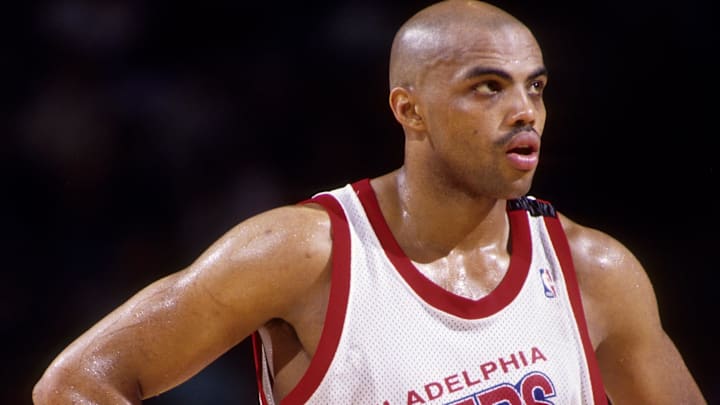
(510, 48)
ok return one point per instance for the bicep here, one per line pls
(635, 354)
(648, 370)
(638, 360)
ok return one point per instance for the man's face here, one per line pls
(482, 102)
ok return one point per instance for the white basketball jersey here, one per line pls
(391, 336)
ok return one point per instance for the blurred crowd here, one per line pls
(137, 133)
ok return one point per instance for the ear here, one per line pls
(405, 109)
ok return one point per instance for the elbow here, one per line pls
(39, 394)
(50, 390)
(58, 386)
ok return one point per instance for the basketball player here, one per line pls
(439, 282)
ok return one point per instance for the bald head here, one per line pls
(441, 31)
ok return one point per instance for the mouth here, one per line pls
(523, 150)
(524, 143)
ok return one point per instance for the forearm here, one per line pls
(99, 367)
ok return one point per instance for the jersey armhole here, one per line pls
(562, 248)
(337, 302)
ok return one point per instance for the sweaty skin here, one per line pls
(466, 85)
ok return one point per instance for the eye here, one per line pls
(537, 86)
(489, 87)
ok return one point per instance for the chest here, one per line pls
(471, 275)
(413, 340)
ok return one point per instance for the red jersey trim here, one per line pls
(257, 357)
(562, 250)
(437, 296)
(337, 303)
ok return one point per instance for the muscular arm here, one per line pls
(639, 363)
(176, 326)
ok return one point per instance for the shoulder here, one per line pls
(594, 250)
(302, 224)
(292, 235)
(614, 285)
(635, 355)
(601, 261)
(275, 257)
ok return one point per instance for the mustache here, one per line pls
(516, 130)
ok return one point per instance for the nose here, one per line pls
(523, 111)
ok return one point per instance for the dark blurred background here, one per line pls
(135, 133)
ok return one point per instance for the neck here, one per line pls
(431, 220)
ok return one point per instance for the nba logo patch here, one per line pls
(548, 283)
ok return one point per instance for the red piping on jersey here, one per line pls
(562, 249)
(257, 357)
(336, 308)
(437, 296)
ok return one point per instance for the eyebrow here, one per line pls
(483, 71)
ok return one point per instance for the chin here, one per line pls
(518, 189)
(513, 196)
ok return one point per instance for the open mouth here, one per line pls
(522, 150)
(524, 143)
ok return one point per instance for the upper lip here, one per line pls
(524, 142)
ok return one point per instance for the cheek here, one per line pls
(463, 119)
(470, 135)
(463, 126)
